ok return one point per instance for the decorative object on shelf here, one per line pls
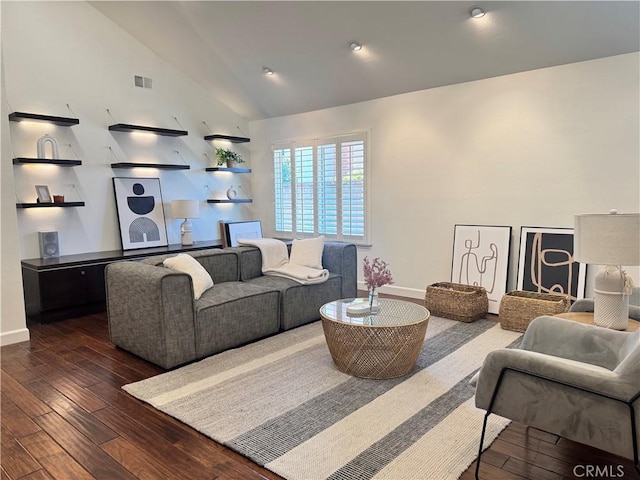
(58, 199)
(228, 157)
(376, 274)
(185, 209)
(140, 212)
(609, 239)
(546, 263)
(481, 259)
(44, 196)
(42, 143)
(232, 193)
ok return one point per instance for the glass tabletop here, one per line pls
(391, 313)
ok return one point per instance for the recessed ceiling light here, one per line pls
(476, 12)
(355, 46)
(267, 71)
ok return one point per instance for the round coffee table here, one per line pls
(381, 345)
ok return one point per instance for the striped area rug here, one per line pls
(282, 403)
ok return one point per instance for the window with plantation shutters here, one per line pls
(320, 188)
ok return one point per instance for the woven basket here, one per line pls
(464, 303)
(518, 308)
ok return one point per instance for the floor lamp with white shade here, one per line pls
(613, 240)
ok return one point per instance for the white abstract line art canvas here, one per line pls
(481, 258)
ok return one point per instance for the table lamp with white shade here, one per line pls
(185, 209)
(613, 240)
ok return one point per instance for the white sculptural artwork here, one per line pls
(42, 142)
(232, 193)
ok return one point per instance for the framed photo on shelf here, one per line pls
(140, 212)
(44, 196)
(546, 263)
(481, 258)
(245, 230)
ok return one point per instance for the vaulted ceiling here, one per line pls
(408, 46)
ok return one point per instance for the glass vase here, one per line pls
(374, 305)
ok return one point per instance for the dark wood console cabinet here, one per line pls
(73, 285)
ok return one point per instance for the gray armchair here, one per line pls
(577, 381)
(586, 304)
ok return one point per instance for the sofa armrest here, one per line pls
(151, 312)
(574, 341)
(547, 369)
(342, 258)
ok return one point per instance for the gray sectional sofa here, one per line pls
(152, 312)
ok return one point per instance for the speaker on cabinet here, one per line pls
(49, 247)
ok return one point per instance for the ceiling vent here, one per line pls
(142, 82)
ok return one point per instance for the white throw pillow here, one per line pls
(307, 252)
(182, 262)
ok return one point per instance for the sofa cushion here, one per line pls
(234, 313)
(300, 304)
(307, 252)
(200, 278)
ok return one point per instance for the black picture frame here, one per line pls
(245, 229)
(546, 264)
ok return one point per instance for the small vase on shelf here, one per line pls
(374, 305)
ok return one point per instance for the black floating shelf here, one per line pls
(227, 200)
(166, 132)
(228, 169)
(159, 166)
(47, 161)
(44, 205)
(35, 117)
(231, 138)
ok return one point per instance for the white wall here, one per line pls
(67, 59)
(529, 149)
(12, 315)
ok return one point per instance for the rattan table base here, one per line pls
(375, 352)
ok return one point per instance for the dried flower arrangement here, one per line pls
(376, 273)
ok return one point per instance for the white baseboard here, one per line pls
(14, 336)
(400, 291)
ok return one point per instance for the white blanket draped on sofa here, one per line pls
(275, 261)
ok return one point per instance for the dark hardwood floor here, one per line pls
(64, 416)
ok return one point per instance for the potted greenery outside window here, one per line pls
(227, 157)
